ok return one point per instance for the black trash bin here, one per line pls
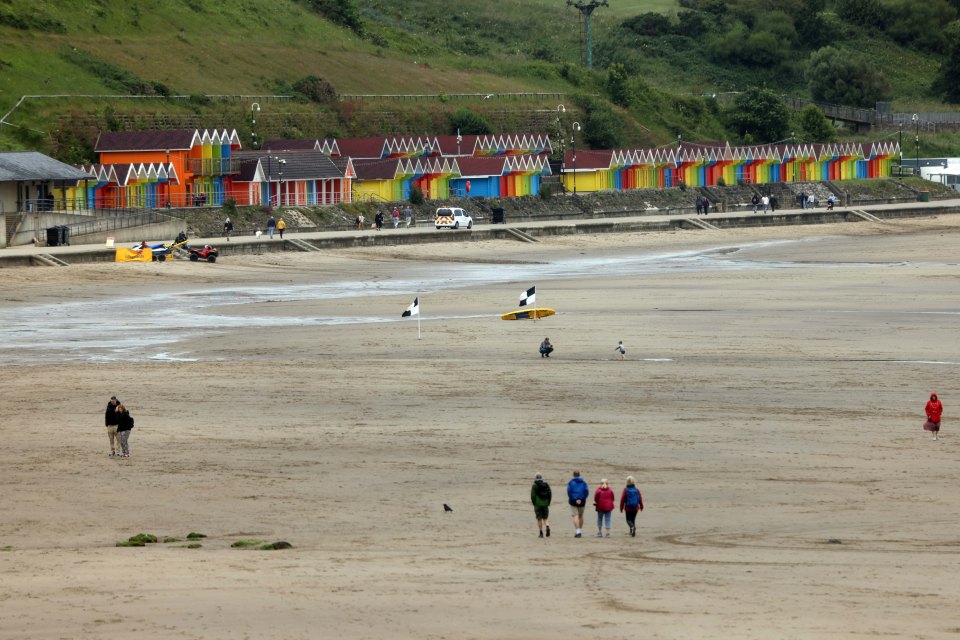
(53, 236)
(498, 215)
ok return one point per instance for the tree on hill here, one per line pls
(759, 116)
(945, 84)
(838, 77)
(814, 126)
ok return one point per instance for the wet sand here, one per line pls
(770, 408)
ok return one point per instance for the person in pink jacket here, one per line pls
(934, 412)
(605, 501)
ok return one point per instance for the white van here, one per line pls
(452, 218)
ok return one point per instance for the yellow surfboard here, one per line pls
(528, 314)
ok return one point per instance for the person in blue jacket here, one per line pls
(577, 494)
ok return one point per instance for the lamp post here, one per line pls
(254, 110)
(901, 149)
(281, 162)
(916, 121)
(573, 142)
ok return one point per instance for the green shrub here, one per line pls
(316, 89)
(194, 545)
(546, 192)
(469, 123)
(416, 195)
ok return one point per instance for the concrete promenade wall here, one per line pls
(22, 256)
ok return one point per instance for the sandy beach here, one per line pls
(770, 407)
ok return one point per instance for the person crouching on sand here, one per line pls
(546, 348)
(934, 412)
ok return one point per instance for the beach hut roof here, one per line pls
(151, 140)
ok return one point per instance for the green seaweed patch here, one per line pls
(168, 539)
(131, 543)
(194, 545)
(193, 535)
(273, 546)
(146, 538)
(243, 544)
(6, 548)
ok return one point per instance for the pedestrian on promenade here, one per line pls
(408, 215)
(540, 496)
(271, 227)
(228, 228)
(630, 503)
(604, 500)
(396, 217)
(281, 226)
(577, 492)
(379, 220)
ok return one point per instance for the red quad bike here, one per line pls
(206, 252)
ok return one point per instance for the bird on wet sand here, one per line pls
(446, 507)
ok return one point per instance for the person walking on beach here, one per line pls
(631, 502)
(577, 492)
(604, 500)
(934, 412)
(281, 226)
(622, 349)
(110, 419)
(540, 496)
(124, 426)
(546, 348)
(271, 227)
(228, 228)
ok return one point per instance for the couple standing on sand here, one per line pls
(119, 422)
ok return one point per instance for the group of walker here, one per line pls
(604, 500)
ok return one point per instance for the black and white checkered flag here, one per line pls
(413, 309)
(528, 297)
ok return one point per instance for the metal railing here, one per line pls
(213, 166)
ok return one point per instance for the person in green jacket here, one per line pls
(540, 496)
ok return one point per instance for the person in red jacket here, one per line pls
(631, 501)
(934, 411)
(604, 500)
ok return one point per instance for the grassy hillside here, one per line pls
(262, 47)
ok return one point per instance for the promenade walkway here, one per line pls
(425, 233)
